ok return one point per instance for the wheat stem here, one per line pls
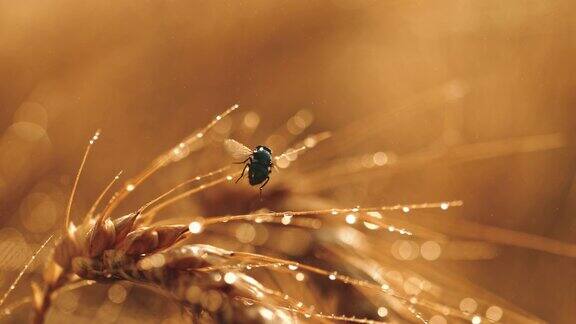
(78, 174)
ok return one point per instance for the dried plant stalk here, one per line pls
(138, 249)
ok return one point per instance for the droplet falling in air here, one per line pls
(476, 320)
(300, 276)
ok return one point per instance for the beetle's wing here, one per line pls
(237, 150)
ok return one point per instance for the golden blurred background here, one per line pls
(411, 78)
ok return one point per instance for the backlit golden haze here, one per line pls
(426, 101)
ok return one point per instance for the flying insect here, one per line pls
(258, 162)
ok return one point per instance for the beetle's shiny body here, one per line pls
(258, 162)
(259, 165)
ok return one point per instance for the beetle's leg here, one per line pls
(243, 170)
(265, 182)
(262, 186)
(248, 159)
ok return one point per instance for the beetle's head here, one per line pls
(263, 148)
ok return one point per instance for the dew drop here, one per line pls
(371, 226)
(230, 278)
(382, 311)
(287, 218)
(351, 219)
(380, 158)
(310, 142)
(195, 227)
(333, 275)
